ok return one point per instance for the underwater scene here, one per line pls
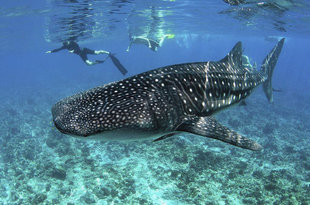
(157, 102)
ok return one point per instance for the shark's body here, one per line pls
(166, 101)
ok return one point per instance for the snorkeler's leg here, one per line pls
(89, 51)
(83, 55)
(86, 51)
(102, 61)
(102, 52)
(88, 62)
(162, 40)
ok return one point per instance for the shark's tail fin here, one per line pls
(268, 66)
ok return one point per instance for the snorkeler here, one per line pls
(73, 47)
(151, 34)
(247, 64)
(153, 45)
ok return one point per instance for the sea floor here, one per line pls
(39, 165)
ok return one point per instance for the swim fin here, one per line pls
(118, 64)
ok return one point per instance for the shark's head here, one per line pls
(100, 110)
(71, 117)
(85, 114)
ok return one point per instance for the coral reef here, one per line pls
(39, 165)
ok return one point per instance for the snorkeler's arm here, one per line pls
(56, 50)
(129, 46)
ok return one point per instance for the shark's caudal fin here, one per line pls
(209, 127)
(268, 66)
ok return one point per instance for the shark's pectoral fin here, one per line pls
(209, 127)
(164, 136)
(276, 90)
(242, 103)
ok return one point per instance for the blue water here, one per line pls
(39, 165)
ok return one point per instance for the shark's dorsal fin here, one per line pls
(234, 57)
(209, 127)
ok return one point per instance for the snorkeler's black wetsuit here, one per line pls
(75, 48)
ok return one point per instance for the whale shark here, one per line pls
(168, 101)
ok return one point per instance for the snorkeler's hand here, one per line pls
(48, 52)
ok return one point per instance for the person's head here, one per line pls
(72, 46)
(66, 43)
(131, 38)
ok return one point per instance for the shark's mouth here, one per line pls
(59, 128)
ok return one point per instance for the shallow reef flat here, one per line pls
(39, 165)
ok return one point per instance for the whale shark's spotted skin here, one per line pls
(168, 100)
